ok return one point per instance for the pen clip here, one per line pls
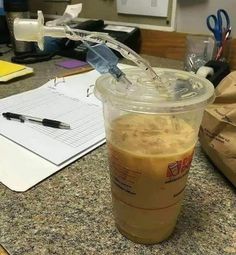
(22, 119)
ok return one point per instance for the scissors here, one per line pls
(219, 25)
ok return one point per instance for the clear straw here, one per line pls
(125, 51)
(104, 61)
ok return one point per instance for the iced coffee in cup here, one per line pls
(151, 131)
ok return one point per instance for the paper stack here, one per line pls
(10, 70)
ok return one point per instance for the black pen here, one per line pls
(44, 122)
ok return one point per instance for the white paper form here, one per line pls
(55, 145)
(20, 169)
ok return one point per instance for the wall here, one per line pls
(103, 9)
(190, 14)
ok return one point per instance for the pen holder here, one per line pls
(199, 50)
(223, 53)
(17, 9)
(214, 71)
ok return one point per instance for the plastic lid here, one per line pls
(179, 91)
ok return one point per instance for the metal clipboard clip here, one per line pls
(57, 81)
(90, 90)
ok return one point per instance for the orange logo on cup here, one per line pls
(180, 167)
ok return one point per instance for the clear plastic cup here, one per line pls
(151, 131)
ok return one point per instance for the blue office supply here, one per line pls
(104, 60)
(219, 25)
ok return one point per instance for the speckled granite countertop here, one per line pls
(70, 212)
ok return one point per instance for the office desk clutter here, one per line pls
(211, 51)
(150, 119)
(140, 105)
(48, 149)
(220, 26)
(217, 132)
(77, 200)
(35, 30)
(199, 50)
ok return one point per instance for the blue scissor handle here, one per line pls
(212, 23)
(216, 26)
(213, 26)
(220, 14)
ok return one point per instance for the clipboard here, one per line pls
(27, 169)
(27, 163)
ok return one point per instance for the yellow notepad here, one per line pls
(7, 68)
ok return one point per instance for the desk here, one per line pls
(70, 212)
